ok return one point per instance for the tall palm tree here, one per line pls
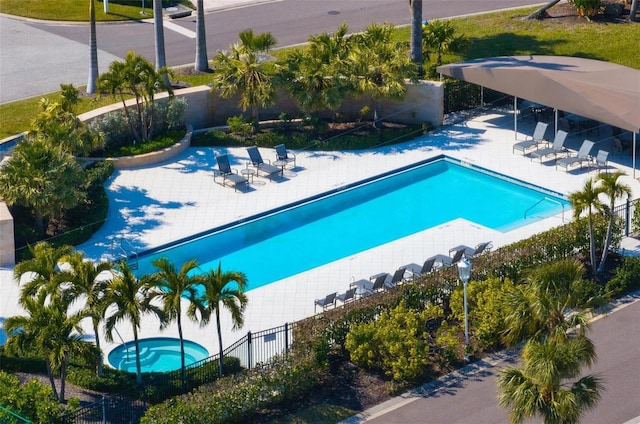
(202, 63)
(48, 328)
(221, 290)
(93, 50)
(379, 66)
(540, 309)
(543, 386)
(158, 26)
(416, 35)
(317, 76)
(44, 269)
(610, 186)
(89, 281)
(171, 287)
(587, 200)
(245, 70)
(129, 297)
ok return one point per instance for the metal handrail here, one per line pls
(542, 200)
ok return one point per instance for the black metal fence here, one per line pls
(127, 408)
(626, 213)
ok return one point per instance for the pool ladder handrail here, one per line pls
(126, 252)
(542, 200)
(124, 345)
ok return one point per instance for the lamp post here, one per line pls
(464, 271)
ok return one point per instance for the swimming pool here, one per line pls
(157, 354)
(334, 225)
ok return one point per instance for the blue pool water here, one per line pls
(295, 239)
(157, 354)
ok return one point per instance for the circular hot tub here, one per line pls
(157, 354)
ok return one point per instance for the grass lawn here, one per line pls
(78, 10)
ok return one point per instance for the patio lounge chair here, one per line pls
(260, 165)
(283, 154)
(417, 270)
(602, 159)
(368, 287)
(536, 140)
(397, 278)
(556, 149)
(473, 252)
(347, 296)
(584, 155)
(450, 261)
(228, 174)
(330, 299)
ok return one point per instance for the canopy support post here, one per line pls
(515, 117)
(634, 155)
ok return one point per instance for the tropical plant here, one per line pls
(587, 199)
(128, 299)
(614, 189)
(440, 37)
(202, 63)
(136, 77)
(317, 76)
(89, 282)
(221, 290)
(245, 70)
(48, 328)
(416, 35)
(42, 269)
(158, 27)
(379, 66)
(587, 8)
(543, 387)
(171, 286)
(42, 177)
(93, 50)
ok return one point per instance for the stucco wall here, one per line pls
(7, 243)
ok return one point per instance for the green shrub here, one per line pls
(396, 342)
(587, 8)
(115, 128)
(626, 278)
(238, 125)
(112, 381)
(213, 138)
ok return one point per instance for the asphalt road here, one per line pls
(472, 398)
(36, 57)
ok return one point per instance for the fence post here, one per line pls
(286, 339)
(627, 218)
(249, 351)
(104, 411)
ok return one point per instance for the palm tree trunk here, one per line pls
(63, 378)
(99, 370)
(377, 119)
(161, 59)
(219, 342)
(607, 242)
(416, 34)
(52, 381)
(202, 63)
(39, 222)
(541, 12)
(182, 363)
(138, 366)
(93, 47)
(592, 245)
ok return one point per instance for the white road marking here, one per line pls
(180, 30)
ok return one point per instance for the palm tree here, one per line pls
(93, 48)
(161, 59)
(136, 77)
(90, 281)
(246, 71)
(49, 329)
(587, 199)
(542, 388)
(44, 269)
(317, 76)
(202, 63)
(221, 289)
(130, 299)
(380, 66)
(416, 34)
(540, 309)
(610, 186)
(171, 287)
(633, 11)
(440, 37)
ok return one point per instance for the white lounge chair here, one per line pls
(556, 149)
(260, 165)
(602, 159)
(282, 154)
(535, 141)
(584, 155)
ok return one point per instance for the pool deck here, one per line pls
(155, 205)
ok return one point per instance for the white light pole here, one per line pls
(464, 271)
